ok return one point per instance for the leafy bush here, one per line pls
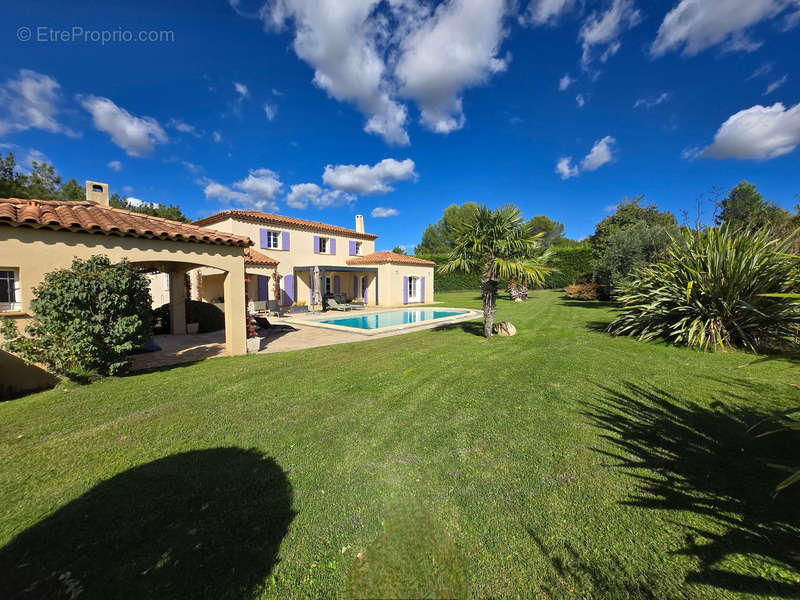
(583, 291)
(627, 249)
(209, 317)
(708, 292)
(86, 319)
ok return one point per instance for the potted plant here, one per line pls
(301, 306)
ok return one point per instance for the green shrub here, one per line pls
(86, 319)
(708, 292)
(209, 317)
(583, 291)
(628, 249)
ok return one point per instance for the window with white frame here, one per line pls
(413, 289)
(9, 290)
(323, 245)
(358, 248)
(272, 240)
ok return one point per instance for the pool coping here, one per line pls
(315, 320)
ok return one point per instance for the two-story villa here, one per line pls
(345, 258)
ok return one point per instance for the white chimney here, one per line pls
(360, 223)
(97, 192)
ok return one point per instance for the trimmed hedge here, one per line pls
(570, 262)
(210, 317)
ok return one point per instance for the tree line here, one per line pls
(44, 183)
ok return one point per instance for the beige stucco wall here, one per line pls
(389, 291)
(37, 252)
(159, 288)
(301, 250)
(390, 282)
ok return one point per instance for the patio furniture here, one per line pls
(260, 307)
(274, 308)
(334, 305)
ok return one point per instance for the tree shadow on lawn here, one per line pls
(474, 327)
(201, 524)
(588, 303)
(702, 459)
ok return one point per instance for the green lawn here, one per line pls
(558, 463)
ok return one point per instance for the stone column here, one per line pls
(235, 326)
(177, 305)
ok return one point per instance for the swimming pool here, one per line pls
(392, 318)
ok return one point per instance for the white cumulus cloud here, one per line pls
(241, 89)
(184, 127)
(257, 191)
(601, 153)
(757, 133)
(115, 165)
(580, 100)
(695, 25)
(565, 168)
(372, 53)
(31, 101)
(135, 135)
(456, 48)
(339, 41)
(565, 82)
(271, 111)
(380, 212)
(365, 179)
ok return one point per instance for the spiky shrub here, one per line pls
(707, 292)
(86, 319)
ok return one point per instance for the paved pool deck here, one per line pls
(285, 335)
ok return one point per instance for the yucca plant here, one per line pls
(498, 244)
(710, 290)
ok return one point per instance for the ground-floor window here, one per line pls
(413, 289)
(9, 290)
(364, 289)
(328, 285)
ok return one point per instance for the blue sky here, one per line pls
(322, 109)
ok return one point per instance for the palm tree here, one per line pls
(499, 245)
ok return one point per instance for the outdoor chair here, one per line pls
(334, 305)
(259, 306)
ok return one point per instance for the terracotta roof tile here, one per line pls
(90, 217)
(253, 257)
(256, 216)
(389, 257)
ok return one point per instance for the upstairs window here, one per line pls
(272, 240)
(323, 245)
(9, 290)
(358, 248)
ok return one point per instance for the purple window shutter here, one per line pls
(288, 289)
(336, 284)
(355, 287)
(333, 245)
(422, 289)
(352, 248)
(263, 236)
(285, 240)
(263, 286)
(316, 244)
(405, 290)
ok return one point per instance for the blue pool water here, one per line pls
(391, 318)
